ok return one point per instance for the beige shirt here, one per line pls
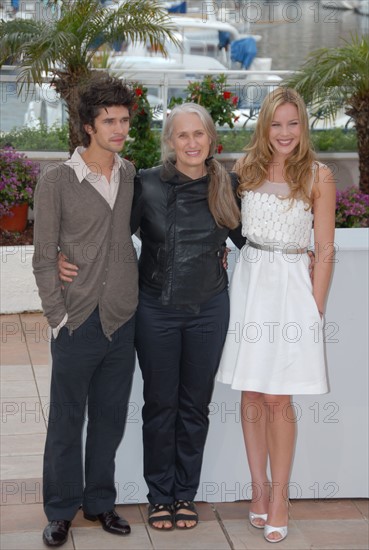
(107, 189)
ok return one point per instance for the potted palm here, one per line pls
(18, 178)
(330, 79)
(335, 77)
(64, 48)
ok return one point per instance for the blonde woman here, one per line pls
(275, 345)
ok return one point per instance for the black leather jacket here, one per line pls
(182, 247)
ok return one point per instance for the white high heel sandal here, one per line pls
(283, 531)
(268, 529)
(253, 517)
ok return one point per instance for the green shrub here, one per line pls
(335, 139)
(234, 141)
(37, 139)
(143, 147)
(212, 93)
(147, 145)
(332, 140)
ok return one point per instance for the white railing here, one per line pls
(246, 84)
(249, 85)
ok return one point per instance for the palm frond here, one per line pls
(139, 20)
(63, 48)
(14, 34)
(84, 25)
(333, 77)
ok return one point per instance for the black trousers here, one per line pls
(179, 354)
(86, 367)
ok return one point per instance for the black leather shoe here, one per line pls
(56, 532)
(111, 522)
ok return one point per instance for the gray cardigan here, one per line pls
(74, 218)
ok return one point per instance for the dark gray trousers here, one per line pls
(179, 353)
(86, 367)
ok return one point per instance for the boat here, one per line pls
(175, 6)
(340, 4)
(200, 45)
(141, 55)
(193, 63)
(198, 32)
(203, 34)
(363, 7)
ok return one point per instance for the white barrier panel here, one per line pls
(331, 457)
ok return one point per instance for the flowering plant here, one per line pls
(352, 208)
(143, 147)
(212, 93)
(18, 178)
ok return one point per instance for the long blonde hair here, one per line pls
(221, 199)
(253, 168)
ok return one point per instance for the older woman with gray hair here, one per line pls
(185, 209)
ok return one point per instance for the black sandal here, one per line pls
(185, 505)
(152, 518)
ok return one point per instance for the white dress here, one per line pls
(274, 342)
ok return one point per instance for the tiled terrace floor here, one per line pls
(336, 525)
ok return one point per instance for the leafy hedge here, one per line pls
(233, 141)
(333, 140)
(37, 139)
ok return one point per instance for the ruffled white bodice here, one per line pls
(268, 218)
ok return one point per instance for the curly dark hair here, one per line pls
(99, 91)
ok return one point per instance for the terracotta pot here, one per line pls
(17, 222)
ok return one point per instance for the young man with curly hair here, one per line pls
(82, 209)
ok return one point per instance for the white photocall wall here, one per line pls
(331, 457)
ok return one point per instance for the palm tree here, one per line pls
(64, 48)
(335, 77)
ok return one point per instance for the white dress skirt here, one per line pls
(274, 343)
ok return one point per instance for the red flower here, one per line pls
(219, 148)
(227, 95)
(138, 92)
(236, 118)
(234, 100)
